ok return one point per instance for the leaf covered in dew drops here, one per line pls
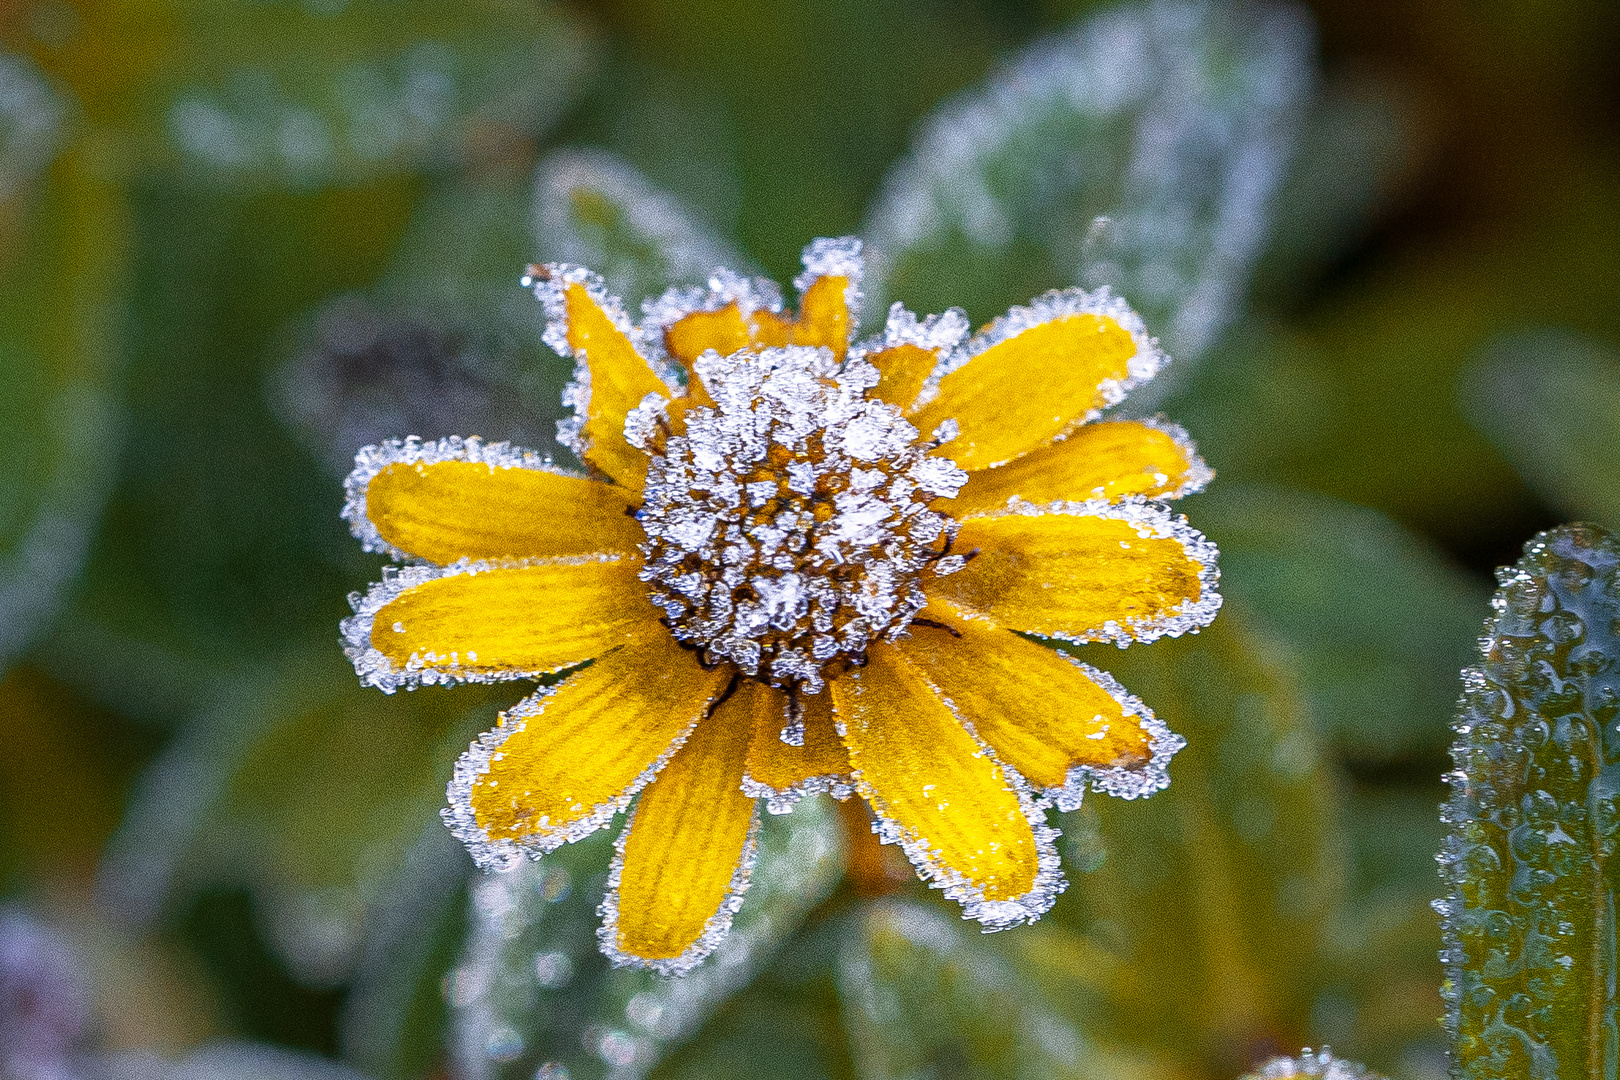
(1529, 919)
(594, 209)
(1550, 402)
(532, 991)
(1318, 573)
(1171, 120)
(1209, 903)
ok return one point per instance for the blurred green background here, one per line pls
(241, 238)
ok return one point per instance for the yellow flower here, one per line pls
(798, 564)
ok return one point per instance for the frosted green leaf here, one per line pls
(924, 996)
(303, 94)
(305, 788)
(59, 359)
(594, 209)
(394, 1013)
(1550, 401)
(1138, 150)
(1311, 1065)
(1529, 919)
(1318, 573)
(1210, 902)
(532, 990)
(445, 344)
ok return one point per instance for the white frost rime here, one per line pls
(789, 528)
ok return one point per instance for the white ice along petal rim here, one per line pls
(836, 256)
(376, 669)
(724, 287)
(1118, 780)
(1147, 361)
(1152, 520)
(782, 800)
(942, 334)
(372, 460)
(549, 283)
(991, 914)
(480, 755)
(714, 930)
(1199, 474)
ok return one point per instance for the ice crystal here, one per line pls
(789, 528)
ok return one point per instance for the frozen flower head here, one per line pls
(797, 563)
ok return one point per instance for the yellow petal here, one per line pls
(488, 623)
(612, 376)
(903, 371)
(417, 500)
(1130, 572)
(1037, 373)
(785, 774)
(938, 794)
(722, 330)
(679, 869)
(1105, 461)
(561, 764)
(1059, 723)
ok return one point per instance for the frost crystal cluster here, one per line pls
(789, 527)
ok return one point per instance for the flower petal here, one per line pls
(611, 374)
(782, 773)
(1092, 571)
(1037, 373)
(959, 816)
(684, 857)
(1042, 712)
(459, 499)
(535, 784)
(1108, 461)
(477, 623)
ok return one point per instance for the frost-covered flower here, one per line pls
(798, 564)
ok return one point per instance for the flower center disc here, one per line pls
(789, 528)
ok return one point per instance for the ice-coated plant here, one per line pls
(1529, 920)
(799, 561)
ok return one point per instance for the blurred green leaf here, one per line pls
(306, 788)
(1173, 121)
(1550, 402)
(1534, 815)
(59, 384)
(1208, 904)
(532, 990)
(447, 342)
(594, 209)
(1321, 576)
(282, 92)
(224, 1060)
(925, 996)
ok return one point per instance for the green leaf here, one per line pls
(1172, 121)
(533, 990)
(60, 303)
(1534, 815)
(925, 996)
(307, 788)
(1319, 575)
(1207, 906)
(596, 210)
(1550, 402)
(286, 93)
(447, 342)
